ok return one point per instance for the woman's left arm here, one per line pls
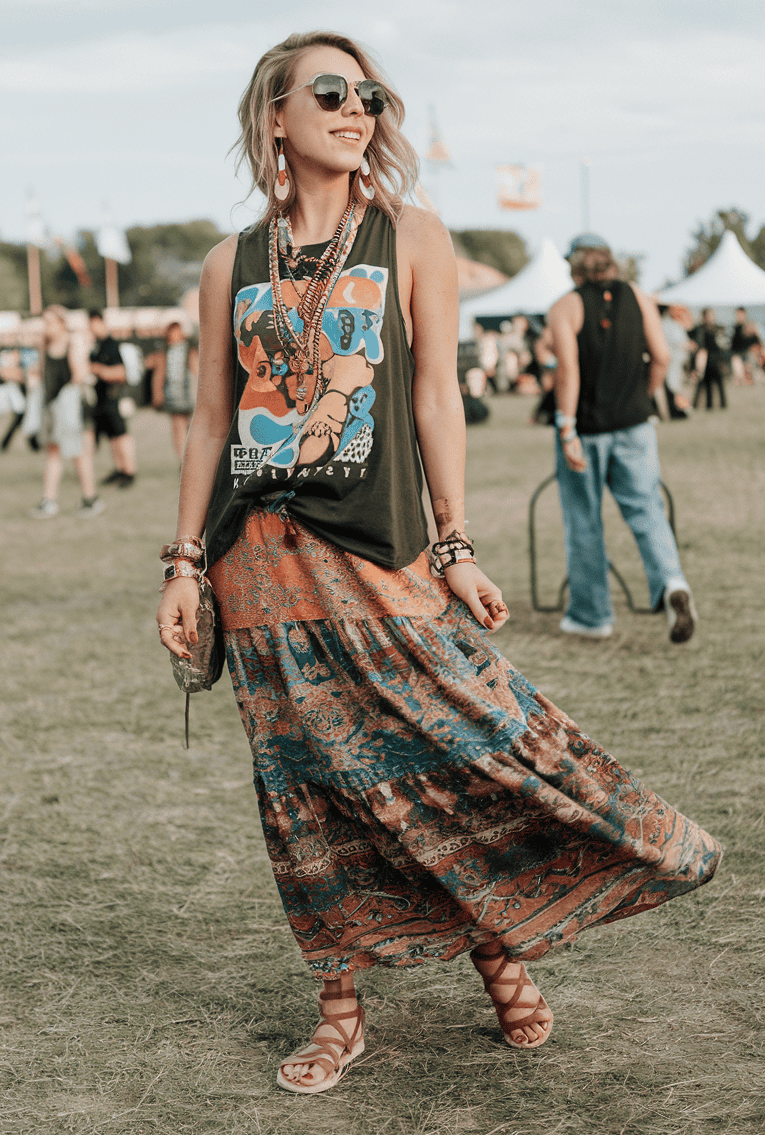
(426, 260)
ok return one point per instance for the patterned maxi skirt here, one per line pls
(418, 795)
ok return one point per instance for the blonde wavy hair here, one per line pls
(392, 159)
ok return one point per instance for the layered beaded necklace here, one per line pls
(303, 348)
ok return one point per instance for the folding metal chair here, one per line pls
(537, 606)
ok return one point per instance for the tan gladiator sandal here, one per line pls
(333, 1050)
(494, 979)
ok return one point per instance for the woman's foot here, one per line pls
(523, 1013)
(337, 1040)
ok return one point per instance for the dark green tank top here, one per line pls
(350, 470)
(613, 360)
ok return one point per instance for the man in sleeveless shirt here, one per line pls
(612, 356)
(107, 365)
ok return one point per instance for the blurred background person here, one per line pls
(544, 414)
(109, 370)
(677, 322)
(12, 391)
(472, 381)
(743, 342)
(174, 381)
(67, 428)
(488, 353)
(710, 358)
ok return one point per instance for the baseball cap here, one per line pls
(587, 240)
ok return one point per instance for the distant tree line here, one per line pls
(166, 262)
(499, 248)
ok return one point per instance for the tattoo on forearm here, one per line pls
(449, 513)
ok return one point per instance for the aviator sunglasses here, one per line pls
(331, 91)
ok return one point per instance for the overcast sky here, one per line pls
(133, 102)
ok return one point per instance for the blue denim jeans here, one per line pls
(628, 462)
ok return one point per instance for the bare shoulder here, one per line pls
(220, 258)
(566, 309)
(422, 235)
(215, 281)
(645, 301)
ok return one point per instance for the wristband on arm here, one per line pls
(566, 426)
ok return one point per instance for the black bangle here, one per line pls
(446, 553)
(181, 569)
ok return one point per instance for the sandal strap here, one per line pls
(303, 1056)
(334, 1019)
(328, 1050)
(520, 983)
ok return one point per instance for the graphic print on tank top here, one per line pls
(278, 429)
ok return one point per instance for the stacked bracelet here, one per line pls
(185, 558)
(184, 548)
(181, 569)
(455, 549)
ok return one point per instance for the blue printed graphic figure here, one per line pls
(358, 416)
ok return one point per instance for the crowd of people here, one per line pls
(80, 384)
(516, 358)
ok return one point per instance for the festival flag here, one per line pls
(111, 242)
(75, 262)
(519, 187)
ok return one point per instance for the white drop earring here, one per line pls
(282, 184)
(365, 182)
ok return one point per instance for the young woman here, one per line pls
(173, 381)
(67, 426)
(419, 798)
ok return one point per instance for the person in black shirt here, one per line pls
(107, 365)
(709, 359)
(603, 334)
(743, 338)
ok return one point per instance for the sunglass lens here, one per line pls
(374, 97)
(330, 91)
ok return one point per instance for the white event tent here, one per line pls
(533, 290)
(728, 279)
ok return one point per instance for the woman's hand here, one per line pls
(482, 596)
(177, 615)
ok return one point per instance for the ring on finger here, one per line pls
(166, 627)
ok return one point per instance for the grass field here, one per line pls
(150, 983)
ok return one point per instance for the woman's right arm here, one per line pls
(207, 432)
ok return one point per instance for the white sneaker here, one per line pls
(45, 510)
(91, 508)
(681, 612)
(569, 626)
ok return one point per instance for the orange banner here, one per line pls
(518, 187)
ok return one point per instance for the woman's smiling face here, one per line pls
(318, 139)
